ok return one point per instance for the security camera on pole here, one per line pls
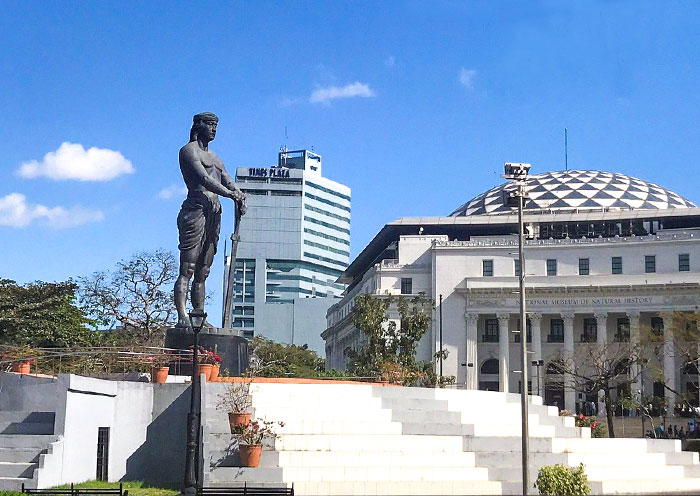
(517, 172)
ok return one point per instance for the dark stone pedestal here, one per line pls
(228, 343)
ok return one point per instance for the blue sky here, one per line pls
(414, 105)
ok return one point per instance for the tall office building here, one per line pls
(295, 243)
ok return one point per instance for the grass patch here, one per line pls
(135, 488)
(10, 493)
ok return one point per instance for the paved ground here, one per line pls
(632, 426)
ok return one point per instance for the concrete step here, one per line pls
(314, 402)
(339, 474)
(14, 469)
(646, 486)
(29, 428)
(630, 459)
(499, 444)
(367, 458)
(414, 404)
(489, 430)
(620, 445)
(27, 416)
(24, 441)
(349, 459)
(426, 416)
(15, 483)
(380, 443)
(27, 455)
(595, 473)
(321, 427)
(290, 414)
(398, 488)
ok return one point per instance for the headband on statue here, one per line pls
(205, 117)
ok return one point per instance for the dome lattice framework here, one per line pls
(578, 189)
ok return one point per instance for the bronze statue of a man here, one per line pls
(199, 220)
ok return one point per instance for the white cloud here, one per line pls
(72, 161)
(390, 61)
(171, 191)
(330, 93)
(16, 212)
(466, 77)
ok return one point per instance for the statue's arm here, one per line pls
(193, 162)
(228, 181)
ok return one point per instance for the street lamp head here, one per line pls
(197, 319)
(516, 170)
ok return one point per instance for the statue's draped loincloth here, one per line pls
(198, 224)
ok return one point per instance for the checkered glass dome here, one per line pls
(578, 189)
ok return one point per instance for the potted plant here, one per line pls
(250, 438)
(205, 362)
(235, 400)
(159, 367)
(217, 368)
(20, 359)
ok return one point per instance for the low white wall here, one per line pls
(144, 419)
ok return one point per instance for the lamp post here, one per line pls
(538, 364)
(440, 355)
(517, 172)
(197, 319)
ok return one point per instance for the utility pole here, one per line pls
(517, 172)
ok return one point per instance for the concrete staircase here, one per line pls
(24, 437)
(361, 439)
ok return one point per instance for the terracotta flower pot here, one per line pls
(250, 454)
(240, 419)
(21, 367)
(215, 373)
(205, 368)
(159, 374)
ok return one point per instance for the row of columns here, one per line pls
(535, 319)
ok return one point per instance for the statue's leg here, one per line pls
(181, 284)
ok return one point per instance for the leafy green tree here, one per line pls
(270, 359)
(138, 294)
(42, 314)
(387, 343)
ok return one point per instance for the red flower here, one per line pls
(580, 415)
(218, 358)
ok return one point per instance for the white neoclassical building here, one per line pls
(606, 254)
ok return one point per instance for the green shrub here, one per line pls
(559, 480)
(692, 445)
(592, 422)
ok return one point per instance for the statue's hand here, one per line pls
(238, 196)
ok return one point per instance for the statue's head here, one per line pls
(204, 126)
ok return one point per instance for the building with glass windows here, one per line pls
(295, 243)
(606, 255)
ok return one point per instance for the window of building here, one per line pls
(584, 266)
(243, 322)
(684, 262)
(551, 266)
(516, 267)
(490, 366)
(490, 331)
(556, 331)
(622, 335)
(590, 331)
(657, 326)
(102, 454)
(487, 268)
(650, 263)
(617, 265)
(529, 332)
(406, 285)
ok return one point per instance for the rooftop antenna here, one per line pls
(566, 149)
